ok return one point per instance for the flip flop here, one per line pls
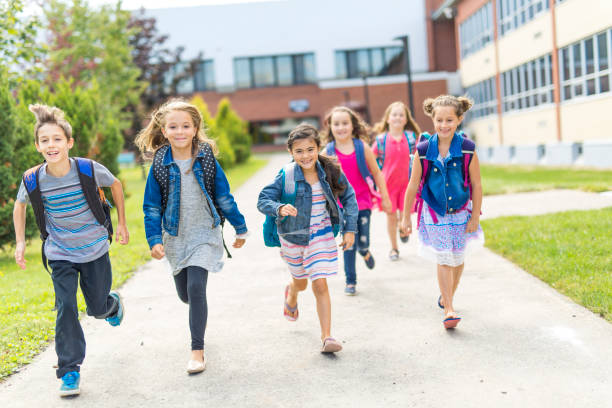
(331, 345)
(290, 309)
(451, 322)
(440, 303)
(370, 261)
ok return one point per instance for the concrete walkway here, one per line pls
(520, 342)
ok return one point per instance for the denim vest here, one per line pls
(169, 219)
(297, 229)
(444, 189)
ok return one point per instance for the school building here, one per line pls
(539, 73)
(281, 62)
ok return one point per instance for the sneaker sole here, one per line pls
(349, 294)
(68, 393)
(122, 309)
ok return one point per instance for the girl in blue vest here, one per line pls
(393, 148)
(347, 136)
(446, 177)
(186, 197)
(306, 228)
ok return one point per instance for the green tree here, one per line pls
(228, 120)
(226, 155)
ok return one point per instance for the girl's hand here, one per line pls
(386, 204)
(157, 251)
(19, 255)
(348, 240)
(239, 242)
(288, 209)
(406, 225)
(472, 225)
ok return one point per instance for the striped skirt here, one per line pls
(318, 259)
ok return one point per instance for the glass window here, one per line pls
(309, 68)
(263, 71)
(242, 73)
(204, 76)
(512, 14)
(476, 31)
(527, 85)
(602, 50)
(589, 56)
(483, 95)
(369, 62)
(378, 62)
(341, 65)
(284, 70)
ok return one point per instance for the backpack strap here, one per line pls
(381, 141)
(411, 144)
(289, 184)
(94, 195)
(32, 186)
(467, 149)
(330, 148)
(361, 160)
(161, 174)
(422, 150)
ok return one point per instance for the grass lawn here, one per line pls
(26, 297)
(512, 179)
(570, 251)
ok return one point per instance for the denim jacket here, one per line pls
(297, 229)
(444, 190)
(152, 206)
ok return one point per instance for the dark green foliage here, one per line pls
(226, 156)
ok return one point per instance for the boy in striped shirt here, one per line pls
(75, 243)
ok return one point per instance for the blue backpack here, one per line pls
(381, 142)
(270, 231)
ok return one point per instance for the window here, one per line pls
(476, 31)
(203, 78)
(512, 14)
(370, 62)
(527, 85)
(485, 99)
(585, 66)
(277, 70)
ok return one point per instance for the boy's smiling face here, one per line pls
(53, 144)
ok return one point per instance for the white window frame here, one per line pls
(513, 11)
(476, 31)
(525, 90)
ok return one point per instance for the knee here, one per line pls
(184, 298)
(195, 290)
(319, 287)
(300, 284)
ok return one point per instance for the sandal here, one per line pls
(440, 305)
(331, 345)
(288, 311)
(394, 255)
(404, 238)
(451, 322)
(369, 261)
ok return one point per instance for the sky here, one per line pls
(151, 4)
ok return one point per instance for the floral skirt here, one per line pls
(445, 242)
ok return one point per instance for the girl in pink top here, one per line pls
(345, 133)
(393, 147)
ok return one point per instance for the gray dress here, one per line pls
(197, 243)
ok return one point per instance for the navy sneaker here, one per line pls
(70, 384)
(118, 317)
(350, 290)
(370, 261)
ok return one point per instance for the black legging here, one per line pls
(191, 288)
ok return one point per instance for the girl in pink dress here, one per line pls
(347, 139)
(394, 147)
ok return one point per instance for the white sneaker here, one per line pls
(194, 366)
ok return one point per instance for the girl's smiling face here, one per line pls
(397, 118)
(305, 152)
(341, 126)
(179, 129)
(445, 121)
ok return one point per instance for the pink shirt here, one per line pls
(348, 162)
(396, 167)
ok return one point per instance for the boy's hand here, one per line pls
(157, 251)
(239, 242)
(472, 225)
(19, 254)
(347, 241)
(386, 205)
(406, 225)
(288, 209)
(122, 236)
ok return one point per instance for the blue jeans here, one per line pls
(362, 244)
(95, 278)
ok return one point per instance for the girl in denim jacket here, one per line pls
(448, 218)
(306, 231)
(187, 196)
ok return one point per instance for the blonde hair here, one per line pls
(49, 115)
(151, 137)
(411, 124)
(360, 128)
(461, 104)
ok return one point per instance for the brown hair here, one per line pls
(49, 115)
(411, 124)
(151, 137)
(360, 128)
(461, 104)
(330, 166)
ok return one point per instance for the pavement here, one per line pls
(520, 343)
